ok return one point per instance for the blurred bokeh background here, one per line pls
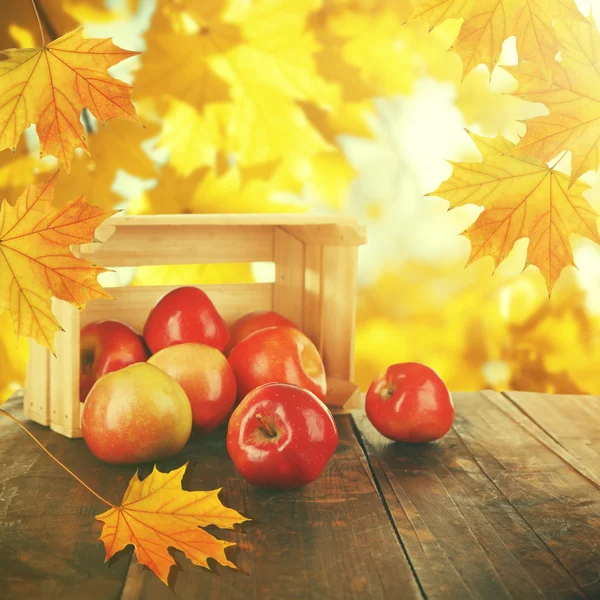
(326, 106)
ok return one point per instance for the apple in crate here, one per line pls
(281, 436)
(278, 354)
(107, 346)
(135, 415)
(254, 321)
(410, 403)
(185, 314)
(207, 379)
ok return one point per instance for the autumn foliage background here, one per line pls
(328, 106)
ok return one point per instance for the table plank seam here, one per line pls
(542, 436)
(525, 520)
(388, 512)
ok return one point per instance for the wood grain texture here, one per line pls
(49, 545)
(490, 511)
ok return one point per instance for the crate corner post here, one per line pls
(36, 402)
(64, 372)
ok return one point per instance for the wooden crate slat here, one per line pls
(132, 304)
(64, 372)
(136, 246)
(288, 293)
(37, 385)
(313, 305)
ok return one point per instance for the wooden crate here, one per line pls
(315, 261)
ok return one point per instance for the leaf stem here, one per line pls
(37, 14)
(54, 458)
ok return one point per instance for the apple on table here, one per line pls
(281, 436)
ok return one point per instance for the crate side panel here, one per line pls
(288, 293)
(132, 304)
(339, 310)
(182, 245)
(64, 372)
(37, 385)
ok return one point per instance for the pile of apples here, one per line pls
(189, 373)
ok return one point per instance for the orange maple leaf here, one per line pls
(36, 262)
(157, 513)
(50, 87)
(523, 198)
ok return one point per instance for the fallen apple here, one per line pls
(207, 379)
(410, 403)
(107, 346)
(136, 415)
(185, 314)
(254, 321)
(281, 436)
(278, 354)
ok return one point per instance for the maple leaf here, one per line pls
(36, 262)
(523, 198)
(157, 513)
(50, 86)
(16, 172)
(573, 99)
(488, 23)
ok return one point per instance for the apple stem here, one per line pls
(268, 429)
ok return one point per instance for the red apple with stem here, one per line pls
(281, 436)
(107, 346)
(185, 314)
(207, 379)
(278, 354)
(410, 403)
(254, 321)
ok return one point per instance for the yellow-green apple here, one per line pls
(136, 415)
(278, 354)
(207, 379)
(254, 321)
(281, 436)
(185, 314)
(107, 346)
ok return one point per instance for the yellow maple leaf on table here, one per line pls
(50, 86)
(157, 513)
(487, 23)
(36, 262)
(522, 198)
(573, 99)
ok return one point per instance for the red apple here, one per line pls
(254, 321)
(207, 379)
(107, 346)
(136, 415)
(278, 354)
(281, 436)
(185, 314)
(410, 403)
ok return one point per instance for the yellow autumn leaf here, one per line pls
(50, 86)
(522, 198)
(573, 99)
(36, 262)
(157, 514)
(487, 23)
(193, 274)
(16, 172)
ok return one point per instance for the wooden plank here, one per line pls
(339, 310)
(330, 235)
(49, 546)
(489, 511)
(329, 540)
(571, 421)
(132, 304)
(313, 300)
(137, 245)
(37, 385)
(64, 372)
(288, 291)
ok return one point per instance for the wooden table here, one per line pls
(507, 505)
